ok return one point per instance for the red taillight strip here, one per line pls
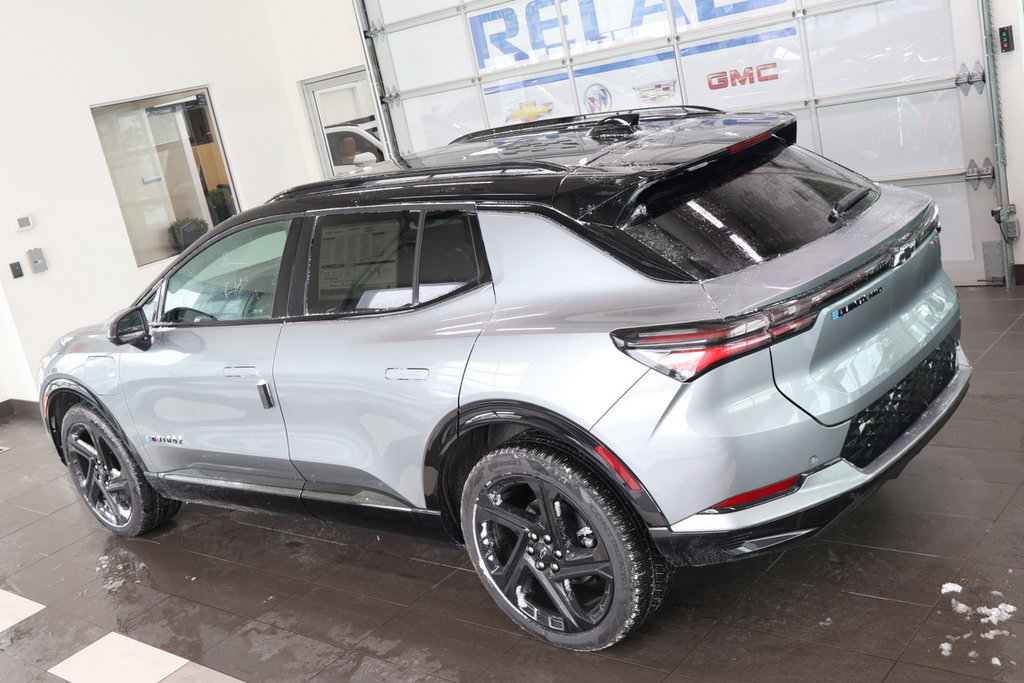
(747, 143)
(758, 494)
(619, 468)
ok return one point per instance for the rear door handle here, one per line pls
(240, 371)
(266, 398)
(407, 374)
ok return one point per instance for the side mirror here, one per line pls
(130, 327)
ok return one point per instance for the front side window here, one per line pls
(234, 278)
(367, 262)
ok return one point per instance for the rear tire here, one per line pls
(108, 478)
(558, 552)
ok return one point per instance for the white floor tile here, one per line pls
(196, 673)
(14, 608)
(116, 657)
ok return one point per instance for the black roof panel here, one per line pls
(576, 164)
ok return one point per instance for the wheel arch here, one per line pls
(59, 395)
(468, 434)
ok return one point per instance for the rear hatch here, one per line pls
(771, 224)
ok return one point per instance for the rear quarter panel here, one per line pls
(558, 299)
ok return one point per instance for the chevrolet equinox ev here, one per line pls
(588, 348)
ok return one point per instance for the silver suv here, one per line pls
(587, 348)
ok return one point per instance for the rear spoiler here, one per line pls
(784, 130)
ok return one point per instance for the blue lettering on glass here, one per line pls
(499, 39)
(538, 26)
(641, 8)
(709, 9)
(588, 18)
(499, 28)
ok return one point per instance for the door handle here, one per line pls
(240, 371)
(266, 398)
(407, 374)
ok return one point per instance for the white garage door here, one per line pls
(892, 89)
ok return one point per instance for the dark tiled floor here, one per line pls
(269, 598)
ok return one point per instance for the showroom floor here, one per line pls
(266, 598)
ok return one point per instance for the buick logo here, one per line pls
(597, 98)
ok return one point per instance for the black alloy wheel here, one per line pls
(556, 550)
(107, 476)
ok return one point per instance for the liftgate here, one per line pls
(895, 90)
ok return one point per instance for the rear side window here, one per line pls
(746, 211)
(381, 261)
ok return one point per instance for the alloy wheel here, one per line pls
(99, 474)
(542, 554)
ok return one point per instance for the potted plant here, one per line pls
(221, 204)
(185, 231)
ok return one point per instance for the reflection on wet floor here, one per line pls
(259, 597)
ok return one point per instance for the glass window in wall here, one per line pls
(166, 162)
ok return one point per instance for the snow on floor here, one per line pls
(990, 615)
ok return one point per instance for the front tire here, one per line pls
(557, 550)
(107, 476)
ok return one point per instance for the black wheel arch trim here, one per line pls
(65, 384)
(511, 412)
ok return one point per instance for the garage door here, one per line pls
(894, 89)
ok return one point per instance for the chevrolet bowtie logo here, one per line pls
(902, 253)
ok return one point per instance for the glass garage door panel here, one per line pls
(522, 100)
(436, 120)
(413, 70)
(954, 207)
(518, 33)
(390, 11)
(905, 135)
(747, 69)
(648, 81)
(610, 23)
(883, 44)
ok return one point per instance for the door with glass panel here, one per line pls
(344, 119)
(202, 396)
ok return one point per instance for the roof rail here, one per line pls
(582, 120)
(356, 180)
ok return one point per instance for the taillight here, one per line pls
(685, 352)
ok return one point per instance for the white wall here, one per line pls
(64, 56)
(1010, 73)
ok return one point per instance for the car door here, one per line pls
(393, 305)
(202, 396)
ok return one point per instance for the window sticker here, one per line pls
(362, 255)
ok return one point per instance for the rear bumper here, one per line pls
(825, 497)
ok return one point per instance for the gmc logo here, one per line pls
(749, 76)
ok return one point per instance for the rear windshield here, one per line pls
(746, 209)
